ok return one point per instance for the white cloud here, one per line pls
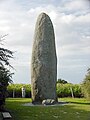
(83, 19)
(77, 5)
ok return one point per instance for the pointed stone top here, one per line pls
(43, 19)
(43, 15)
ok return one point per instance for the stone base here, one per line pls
(36, 103)
(55, 104)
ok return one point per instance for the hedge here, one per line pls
(17, 89)
(66, 90)
(63, 90)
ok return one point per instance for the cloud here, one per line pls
(77, 7)
(77, 4)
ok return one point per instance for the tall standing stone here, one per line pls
(44, 61)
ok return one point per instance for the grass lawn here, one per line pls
(77, 109)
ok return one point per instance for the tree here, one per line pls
(5, 54)
(5, 74)
(62, 81)
(86, 85)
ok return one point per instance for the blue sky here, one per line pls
(71, 21)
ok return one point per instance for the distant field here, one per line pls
(77, 109)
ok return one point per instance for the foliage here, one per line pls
(5, 77)
(16, 88)
(86, 85)
(5, 74)
(62, 81)
(5, 54)
(79, 109)
(64, 90)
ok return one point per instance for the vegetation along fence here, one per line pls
(63, 90)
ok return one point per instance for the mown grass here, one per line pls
(77, 109)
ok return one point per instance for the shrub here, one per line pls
(86, 85)
(5, 78)
(64, 90)
(16, 88)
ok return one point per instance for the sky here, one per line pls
(71, 21)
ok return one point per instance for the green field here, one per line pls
(77, 109)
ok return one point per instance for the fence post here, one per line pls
(13, 93)
(23, 92)
(71, 92)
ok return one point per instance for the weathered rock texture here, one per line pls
(44, 61)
